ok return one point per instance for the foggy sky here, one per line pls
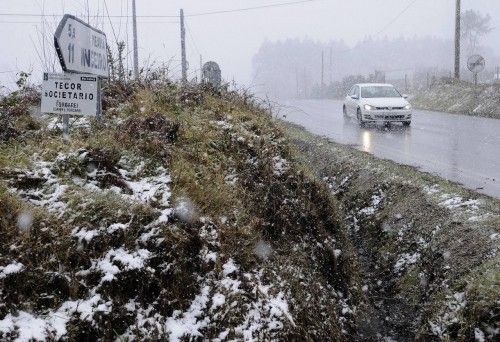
(231, 39)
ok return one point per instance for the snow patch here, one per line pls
(376, 199)
(118, 260)
(406, 260)
(14, 267)
(280, 166)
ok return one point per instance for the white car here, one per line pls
(377, 102)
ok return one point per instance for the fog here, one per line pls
(231, 39)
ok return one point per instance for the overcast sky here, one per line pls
(231, 39)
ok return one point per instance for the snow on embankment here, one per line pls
(460, 98)
(430, 248)
(183, 216)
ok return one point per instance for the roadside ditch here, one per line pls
(427, 248)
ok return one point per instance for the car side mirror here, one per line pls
(354, 97)
(405, 96)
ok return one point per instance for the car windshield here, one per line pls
(379, 91)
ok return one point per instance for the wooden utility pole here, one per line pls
(201, 68)
(331, 65)
(457, 39)
(134, 32)
(297, 83)
(305, 83)
(183, 48)
(322, 70)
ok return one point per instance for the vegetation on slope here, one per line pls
(460, 98)
(182, 215)
(428, 248)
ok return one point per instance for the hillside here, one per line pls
(183, 215)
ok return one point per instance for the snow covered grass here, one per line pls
(461, 98)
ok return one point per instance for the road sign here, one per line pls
(476, 63)
(75, 94)
(211, 74)
(80, 47)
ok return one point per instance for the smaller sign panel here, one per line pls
(81, 47)
(476, 63)
(74, 94)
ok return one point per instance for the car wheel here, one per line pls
(406, 123)
(360, 118)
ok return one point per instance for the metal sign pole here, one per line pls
(99, 104)
(65, 126)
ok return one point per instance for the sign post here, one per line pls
(82, 52)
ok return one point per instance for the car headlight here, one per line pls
(407, 107)
(368, 107)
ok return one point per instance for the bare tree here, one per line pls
(474, 26)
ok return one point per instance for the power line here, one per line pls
(290, 3)
(386, 26)
(396, 18)
(111, 22)
(192, 39)
(112, 28)
(92, 16)
(251, 8)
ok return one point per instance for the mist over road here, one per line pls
(460, 148)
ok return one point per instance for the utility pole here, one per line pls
(305, 83)
(136, 52)
(331, 65)
(297, 83)
(457, 40)
(322, 70)
(183, 48)
(201, 69)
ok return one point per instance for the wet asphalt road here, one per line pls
(460, 148)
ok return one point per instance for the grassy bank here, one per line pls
(428, 248)
(460, 98)
(192, 214)
(184, 215)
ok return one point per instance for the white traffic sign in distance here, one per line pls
(80, 47)
(74, 94)
(476, 63)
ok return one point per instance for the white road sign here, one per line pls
(74, 94)
(475, 63)
(81, 48)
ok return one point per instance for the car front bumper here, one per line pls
(386, 116)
